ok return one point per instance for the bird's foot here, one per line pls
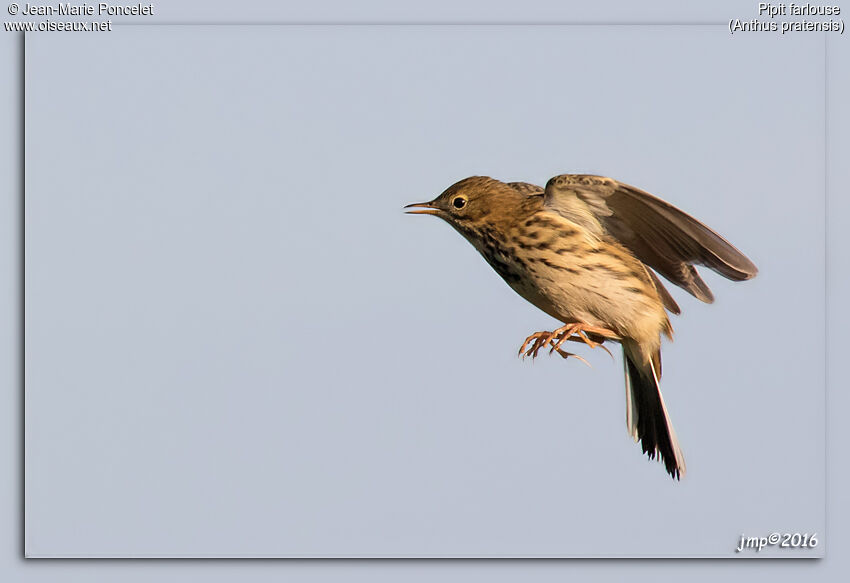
(537, 341)
(574, 332)
(579, 333)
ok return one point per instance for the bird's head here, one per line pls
(471, 204)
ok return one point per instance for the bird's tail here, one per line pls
(646, 414)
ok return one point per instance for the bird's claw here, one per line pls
(565, 354)
(573, 332)
(579, 336)
(537, 340)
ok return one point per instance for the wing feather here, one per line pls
(660, 235)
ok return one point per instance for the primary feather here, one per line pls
(660, 235)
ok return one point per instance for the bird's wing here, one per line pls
(659, 234)
(526, 188)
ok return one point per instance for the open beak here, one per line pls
(426, 209)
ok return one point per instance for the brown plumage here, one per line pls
(583, 250)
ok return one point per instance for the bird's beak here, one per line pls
(427, 209)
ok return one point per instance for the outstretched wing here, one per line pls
(659, 234)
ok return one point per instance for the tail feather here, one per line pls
(646, 414)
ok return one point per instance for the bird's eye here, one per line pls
(459, 202)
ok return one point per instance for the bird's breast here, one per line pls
(571, 274)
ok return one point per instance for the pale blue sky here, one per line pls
(237, 344)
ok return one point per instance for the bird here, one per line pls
(587, 250)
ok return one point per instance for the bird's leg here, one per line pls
(574, 332)
(539, 340)
(577, 333)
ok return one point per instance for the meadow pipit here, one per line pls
(583, 250)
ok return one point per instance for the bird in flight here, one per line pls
(586, 250)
